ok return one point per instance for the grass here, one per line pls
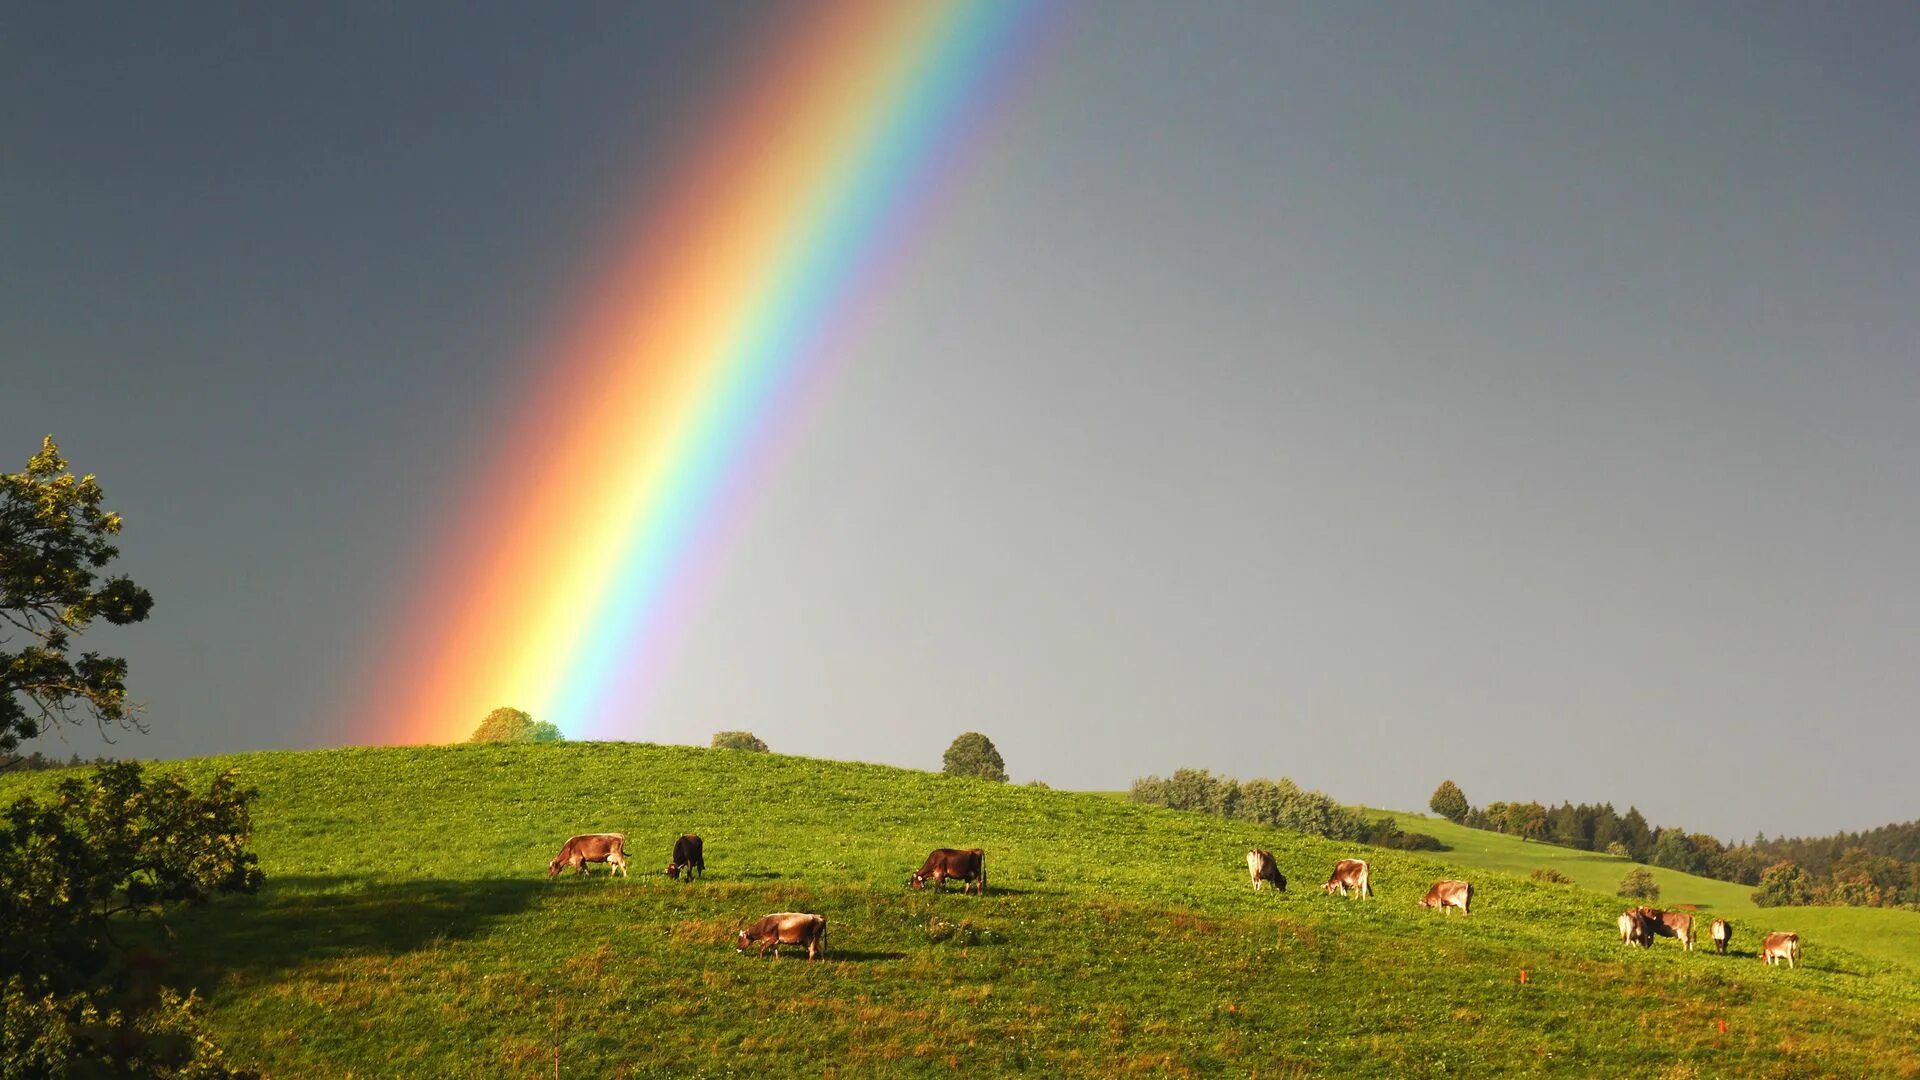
(408, 930)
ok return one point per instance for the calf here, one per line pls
(688, 855)
(1634, 930)
(1449, 894)
(786, 928)
(1349, 874)
(1722, 934)
(968, 867)
(578, 851)
(1779, 946)
(1674, 924)
(1264, 871)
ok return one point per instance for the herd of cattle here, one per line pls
(1350, 877)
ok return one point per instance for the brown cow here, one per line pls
(786, 928)
(1780, 945)
(1674, 924)
(578, 851)
(1264, 871)
(1634, 929)
(1722, 933)
(689, 854)
(1449, 894)
(1349, 874)
(968, 867)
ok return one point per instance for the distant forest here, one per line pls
(36, 761)
(1876, 868)
(1279, 803)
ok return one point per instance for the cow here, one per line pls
(578, 851)
(1722, 933)
(1349, 874)
(786, 928)
(1264, 871)
(1674, 924)
(1634, 929)
(1449, 894)
(689, 855)
(968, 867)
(1779, 946)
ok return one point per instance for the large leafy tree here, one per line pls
(1449, 802)
(55, 543)
(973, 754)
(514, 725)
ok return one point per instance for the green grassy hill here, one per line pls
(408, 930)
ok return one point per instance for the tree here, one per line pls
(1449, 802)
(1784, 884)
(738, 740)
(972, 754)
(514, 726)
(1639, 885)
(1674, 850)
(54, 541)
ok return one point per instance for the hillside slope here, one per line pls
(408, 929)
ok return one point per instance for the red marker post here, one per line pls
(1523, 976)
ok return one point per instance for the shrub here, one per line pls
(1619, 850)
(738, 740)
(1551, 876)
(1639, 885)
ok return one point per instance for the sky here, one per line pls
(1368, 394)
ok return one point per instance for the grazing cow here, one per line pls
(1449, 894)
(578, 851)
(1349, 874)
(1264, 871)
(689, 855)
(968, 867)
(786, 928)
(1634, 929)
(1722, 933)
(1779, 946)
(1674, 924)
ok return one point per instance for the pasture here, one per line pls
(408, 928)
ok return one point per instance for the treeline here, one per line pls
(1880, 868)
(1280, 803)
(37, 761)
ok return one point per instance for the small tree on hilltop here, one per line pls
(1639, 885)
(514, 726)
(1449, 802)
(54, 540)
(1784, 884)
(972, 754)
(738, 740)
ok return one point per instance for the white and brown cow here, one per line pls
(1264, 871)
(967, 867)
(1634, 929)
(602, 847)
(1722, 934)
(1349, 874)
(1778, 946)
(786, 928)
(1446, 895)
(1674, 924)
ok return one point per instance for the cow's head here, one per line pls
(914, 881)
(554, 866)
(741, 944)
(1430, 900)
(672, 871)
(1332, 884)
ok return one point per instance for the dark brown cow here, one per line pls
(1674, 924)
(1447, 895)
(689, 854)
(1349, 874)
(968, 867)
(786, 928)
(1778, 946)
(578, 851)
(1634, 929)
(1722, 933)
(1264, 871)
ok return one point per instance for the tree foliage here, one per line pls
(514, 726)
(1280, 804)
(1449, 802)
(1784, 885)
(55, 541)
(1639, 885)
(973, 754)
(739, 740)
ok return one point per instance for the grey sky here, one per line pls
(1522, 394)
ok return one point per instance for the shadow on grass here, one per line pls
(297, 921)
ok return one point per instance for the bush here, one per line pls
(85, 1034)
(1639, 885)
(1619, 850)
(1551, 876)
(738, 740)
(1281, 804)
(973, 754)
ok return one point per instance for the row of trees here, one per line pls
(1280, 803)
(1852, 875)
(110, 846)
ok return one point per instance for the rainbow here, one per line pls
(560, 582)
